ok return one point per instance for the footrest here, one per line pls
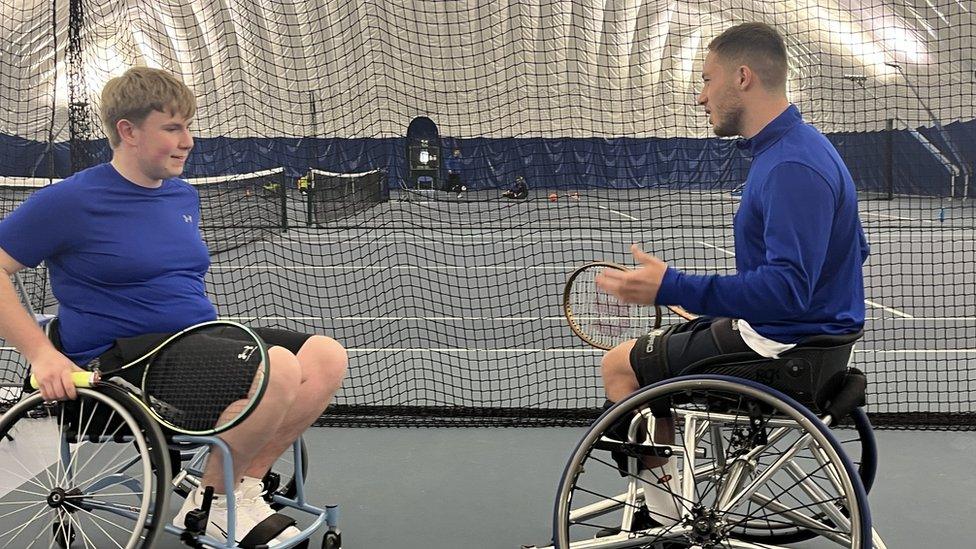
(267, 530)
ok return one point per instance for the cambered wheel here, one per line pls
(747, 458)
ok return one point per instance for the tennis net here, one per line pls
(337, 196)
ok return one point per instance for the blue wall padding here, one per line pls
(551, 163)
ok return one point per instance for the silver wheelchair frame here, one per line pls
(152, 462)
(328, 516)
(722, 469)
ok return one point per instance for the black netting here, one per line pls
(449, 301)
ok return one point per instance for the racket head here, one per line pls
(205, 379)
(599, 318)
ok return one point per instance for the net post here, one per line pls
(283, 199)
(889, 158)
(309, 198)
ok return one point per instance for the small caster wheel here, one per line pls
(332, 540)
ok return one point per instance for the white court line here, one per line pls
(918, 351)
(621, 214)
(888, 231)
(932, 318)
(588, 351)
(435, 318)
(886, 216)
(598, 351)
(453, 350)
(553, 268)
(250, 318)
(463, 239)
(387, 268)
(953, 243)
(889, 309)
(522, 319)
(723, 250)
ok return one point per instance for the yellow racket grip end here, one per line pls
(79, 379)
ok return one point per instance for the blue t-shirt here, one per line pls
(799, 245)
(124, 260)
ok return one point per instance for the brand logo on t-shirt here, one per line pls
(187, 218)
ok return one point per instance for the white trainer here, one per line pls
(217, 523)
(251, 501)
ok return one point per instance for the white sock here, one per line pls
(662, 493)
(250, 482)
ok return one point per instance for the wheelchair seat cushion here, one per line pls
(668, 351)
(812, 372)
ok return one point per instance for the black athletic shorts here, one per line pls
(127, 349)
(666, 352)
(453, 183)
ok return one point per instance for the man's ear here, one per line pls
(746, 77)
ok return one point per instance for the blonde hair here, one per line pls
(138, 92)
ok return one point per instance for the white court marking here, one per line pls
(889, 309)
(587, 351)
(517, 319)
(723, 250)
(462, 239)
(621, 214)
(552, 268)
(898, 217)
(434, 318)
(388, 268)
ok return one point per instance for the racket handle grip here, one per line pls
(79, 379)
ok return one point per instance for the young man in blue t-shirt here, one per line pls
(799, 245)
(122, 245)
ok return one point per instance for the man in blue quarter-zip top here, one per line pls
(799, 245)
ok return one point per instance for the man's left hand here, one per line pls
(639, 285)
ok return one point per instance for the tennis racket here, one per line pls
(200, 381)
(604, 322)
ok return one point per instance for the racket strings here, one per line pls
(205, 380)
(611, 315)
(602, 317)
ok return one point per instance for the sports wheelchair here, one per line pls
(757, 464)
(99, 472)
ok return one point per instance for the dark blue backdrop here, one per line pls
(564, 162)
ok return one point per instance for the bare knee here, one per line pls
(323, 360)
(616, 362)
(286, 376)
(619, 379)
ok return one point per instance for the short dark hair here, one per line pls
(757, 45)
